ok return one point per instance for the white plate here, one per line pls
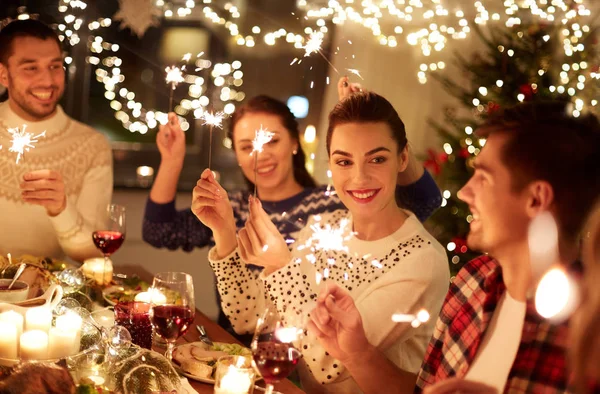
(198, 378)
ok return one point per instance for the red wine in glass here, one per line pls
(173, 312)
(172, 321)
(275, 361)
(109, 231)
(108, 241)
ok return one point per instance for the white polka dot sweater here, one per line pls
(401, 273)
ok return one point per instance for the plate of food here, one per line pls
(197, 360)
(124, 291)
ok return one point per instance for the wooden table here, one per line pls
(214, 331)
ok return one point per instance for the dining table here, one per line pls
(214, 332)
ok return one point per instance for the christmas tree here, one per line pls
(528, 58)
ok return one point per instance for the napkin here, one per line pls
(186, 387)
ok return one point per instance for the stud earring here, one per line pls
(294, 152)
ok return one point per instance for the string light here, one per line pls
(226, 77)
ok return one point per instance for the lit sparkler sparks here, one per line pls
(212, 119)
(329, 238)
(174, 77)
(22, 141)
(261, 137)
(415, 320)
(355, 72)
(313, 44)
(187, 57)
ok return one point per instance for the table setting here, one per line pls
(125, 330)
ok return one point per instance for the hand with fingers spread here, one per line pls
(170, 140)
(458, 385)
(45, 188)
(346, 88)
(212, 207)
(337, 324)
(260, 243)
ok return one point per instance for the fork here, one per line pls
(203, 337)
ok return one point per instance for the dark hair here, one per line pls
(366, 107)
(269, 105)
(23, 28)
(546, 142)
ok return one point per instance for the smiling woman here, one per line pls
(388, 262)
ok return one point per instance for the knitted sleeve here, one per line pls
(165, 227)
(74, 226)
(423, 197)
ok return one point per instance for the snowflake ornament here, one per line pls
(138, 15)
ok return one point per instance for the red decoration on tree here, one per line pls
(464, 153)
(527, 91)
(461, 244)
(435, 161)
(492, 107)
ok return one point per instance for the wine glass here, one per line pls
(173, 310)
(274, 347)
(109, 233)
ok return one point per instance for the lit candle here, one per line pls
(104, 317)
(39, 318)
(151, 296)
(34, 345)
(8, 340)
(70, 323)
(94, 269)
(14, 318)
(235, 381)
(61, 343)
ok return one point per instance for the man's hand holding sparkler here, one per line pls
(212, 207)
(171, 142)
(337, 324)
(346, 88)
(45, 188)
(260, 243)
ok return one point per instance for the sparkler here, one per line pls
(22, 141)
(313, 45)
(212, 120)
(174, 77)
(355, 72)
(415, 320)
(261, 137)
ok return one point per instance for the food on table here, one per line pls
(199, 359)
(34, 378)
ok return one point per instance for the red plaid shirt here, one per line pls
(540, 364)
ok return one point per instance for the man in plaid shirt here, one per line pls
(537, 160)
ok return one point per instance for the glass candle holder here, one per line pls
(135, 317)
(234, 375)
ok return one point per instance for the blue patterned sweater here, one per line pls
(166, 227)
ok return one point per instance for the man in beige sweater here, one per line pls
(50, 200)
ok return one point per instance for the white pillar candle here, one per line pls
(71, 323)
(8, 340)
(235, 381)
(95, 269)
(14, 318)
(61, 343)
(34, 345)
(39, 318)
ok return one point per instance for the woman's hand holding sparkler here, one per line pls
(346, 88)
(171, 142)
(260, 243)
(337, 324)
(212, 207)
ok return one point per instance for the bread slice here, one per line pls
(197, 368)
